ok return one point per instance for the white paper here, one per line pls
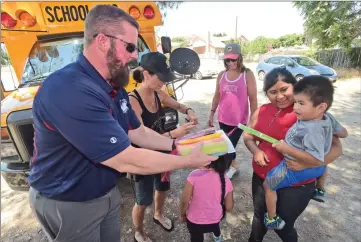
(230, 145)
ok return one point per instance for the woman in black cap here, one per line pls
(146, 101)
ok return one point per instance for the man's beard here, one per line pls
(119, 72)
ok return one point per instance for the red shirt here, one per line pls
(274, 123)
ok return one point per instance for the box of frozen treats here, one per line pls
(215, 142)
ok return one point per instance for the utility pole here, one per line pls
(236, 27)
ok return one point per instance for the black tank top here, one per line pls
(154, 121)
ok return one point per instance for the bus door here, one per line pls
(9, 81)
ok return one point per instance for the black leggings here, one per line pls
(234, 137)
(291, 202)
(197, 230)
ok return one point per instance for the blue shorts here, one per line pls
(281, 177)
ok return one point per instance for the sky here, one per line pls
(269, 19)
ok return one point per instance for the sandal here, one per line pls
(165, 223)
(140, 238)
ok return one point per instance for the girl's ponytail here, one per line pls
(221, 165)
(223, 186)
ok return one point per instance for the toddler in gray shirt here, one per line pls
(307, 141)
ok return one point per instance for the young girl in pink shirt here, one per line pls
(207, 195)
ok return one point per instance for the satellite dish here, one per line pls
(184, 61)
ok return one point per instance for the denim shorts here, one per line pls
(144, 188)
(281, 177)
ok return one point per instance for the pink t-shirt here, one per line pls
(205, 206)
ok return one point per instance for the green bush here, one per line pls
(261, 44)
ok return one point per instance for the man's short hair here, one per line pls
(106, 19)
(318, 88)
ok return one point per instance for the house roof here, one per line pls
(217, 42)
(227, 38)
(213, 41)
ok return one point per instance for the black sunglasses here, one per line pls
(228, 60)
(130, 47)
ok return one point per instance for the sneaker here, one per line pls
(275, 223)
(319, 195)
(231, 172)
(217, 239)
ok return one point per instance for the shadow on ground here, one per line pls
(336, 220)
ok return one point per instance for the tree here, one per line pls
(179, 42)
(179, 39)
(164, 6)
(335, 23)
(4, 58)
(261, 44)
(291, 40)
(219, 34)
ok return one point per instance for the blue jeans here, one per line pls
(281, 177)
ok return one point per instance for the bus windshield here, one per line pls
(47, 57)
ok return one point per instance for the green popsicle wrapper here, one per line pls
(258, 134)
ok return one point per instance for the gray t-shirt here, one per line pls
(313, 136)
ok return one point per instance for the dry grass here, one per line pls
(348, 73)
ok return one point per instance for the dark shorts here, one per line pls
(234, 137)
(144, 188)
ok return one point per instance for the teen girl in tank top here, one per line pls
(236, 93)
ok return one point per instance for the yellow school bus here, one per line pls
(40, 38)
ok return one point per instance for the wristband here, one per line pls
(174, 148)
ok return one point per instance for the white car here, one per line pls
(208, 68)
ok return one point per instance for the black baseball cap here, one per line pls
(155, 62)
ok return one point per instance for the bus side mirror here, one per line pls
(184, 61)
(166, 44)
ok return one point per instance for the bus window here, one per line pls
(9, 81)
(47, 57)
(142, 49)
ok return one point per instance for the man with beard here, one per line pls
(83, 129)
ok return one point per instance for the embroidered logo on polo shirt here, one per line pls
(113, 140)
(123, 105)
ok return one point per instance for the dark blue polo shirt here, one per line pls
(78, 125)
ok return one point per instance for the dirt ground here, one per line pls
(339, 219)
